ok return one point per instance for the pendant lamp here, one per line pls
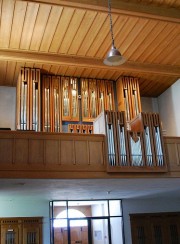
(114, 57)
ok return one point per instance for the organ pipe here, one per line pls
(128, 96)
(28, 100)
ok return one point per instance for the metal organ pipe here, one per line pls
(158, 146)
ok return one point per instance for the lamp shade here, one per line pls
(114, 57)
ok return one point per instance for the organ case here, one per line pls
(128, 96)
(28, 108)
(51, 103)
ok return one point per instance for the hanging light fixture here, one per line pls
(114, 57)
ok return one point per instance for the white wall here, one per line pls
(149, 104)
(7, 107)
(14, 207)
(131, 206)
(169, 103)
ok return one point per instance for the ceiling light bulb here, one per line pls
(114, 57)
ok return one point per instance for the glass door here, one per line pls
(78, 231)
(100, 231)
(89, 231)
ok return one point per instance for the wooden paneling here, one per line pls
(81, 153)
(29, 150)
(21, 144)
(155, 228)
(21, 230)
(145, 34)
(36, 151)
(67, 158)
(96, 152)
(40, 154)
(172, 147)
(6, 150)
(52, 152)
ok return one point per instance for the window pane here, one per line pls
(100, 231)
(116, 230)
(58, 207)
(90, 208)
(115, 208)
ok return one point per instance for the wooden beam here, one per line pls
(64, 60)
(152, 11)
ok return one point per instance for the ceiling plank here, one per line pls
(28, 27)
(72, 30)
(40, 26)
(18, 20)
(122, 7)
(7, 11)
(54, 59)
(51, 27)
(61, 29)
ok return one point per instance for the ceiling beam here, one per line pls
(54, 59)
(161, 12)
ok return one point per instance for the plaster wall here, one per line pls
(7, 107)
(168, 103)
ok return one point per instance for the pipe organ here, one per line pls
(142, 146)
(96, 96)
(134, 138)
(46, 105)
(51, 103)
(113, 125)
(150, 126)
(128, 96)
(28, 115)
(70, 104)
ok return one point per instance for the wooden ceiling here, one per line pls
(72, 38)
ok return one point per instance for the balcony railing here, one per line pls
(46, 154)
(65, 155)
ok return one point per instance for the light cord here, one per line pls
(111, 25)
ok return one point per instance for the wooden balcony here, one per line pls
(27, 154)
(50, 155)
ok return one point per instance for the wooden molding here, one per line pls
(74, 61)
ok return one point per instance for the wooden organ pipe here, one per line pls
(51, 103)
(28, 105)
(70, 104)
(56, 103)
(101, 95)
(128, 96)
(80, 128)
(97, 96)
(109, 96)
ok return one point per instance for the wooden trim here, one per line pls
(54, 59)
